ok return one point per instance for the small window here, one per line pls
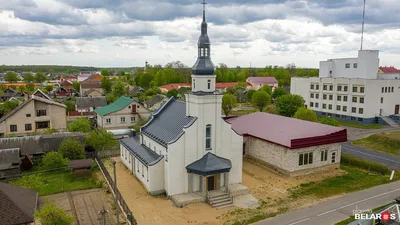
(305, 158)
(392, 89)
(339, 88)
(324, 96)
(324, 155)
(28, 127)
(312, 86)
(208, 137)
(311, 104)
(330, 72)
(42, 125)
(324, 106)
(129, 107)
(41, 112)
(347, 65)
(122, 119)
(360, 110)
(194, 84)
(345, 88)
(355, 65)
(13, 128)
(362, 89)
(383, 89)
(339, 98)
(344, 108)
(355, 99)
(338, 107)
(331, 87)
(325, 87)
(108, 120)
(330, 106)
(353, 109)
(28, 115)
(316, 105)
(381, 99)
(386, 89)
(138, 106)
(333, 157)
(330, 97)
(312, 95)
(324, 114)
(133, 119)
(317, 96)
(361, 99)
(354, 89)
(345, 98)
(317, 87)
(209, 84)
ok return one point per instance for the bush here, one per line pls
(329, 121)
(53, 160)
(288, 105)
(306, 114)
(80, 125)
(72, 149)
(271, 109)
(34, 182)
(50, 214)
(364, 164)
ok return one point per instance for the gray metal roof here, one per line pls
(209, 164)
(9, 157)
(166, 125)
(155, 99)
(87, 102)
(143, 153)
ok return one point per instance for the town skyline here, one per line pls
(48, 32)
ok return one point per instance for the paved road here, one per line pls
(390, 160)
(332, 211)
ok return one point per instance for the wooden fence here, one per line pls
(121, 202)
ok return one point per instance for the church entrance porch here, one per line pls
(211, 183)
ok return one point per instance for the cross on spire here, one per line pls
(204, 9)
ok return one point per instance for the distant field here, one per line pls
(385, 142)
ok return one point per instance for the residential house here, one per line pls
(155, 102)
(225, 85)
(121, 114)
(135, 91)
(91, 87)
(83, 76)
(67, 85)
(390, 72)
(187, 147)
(70, 78)
(293, 147)
(9, 163)
(95, 77)
(40, 93)
(10, 92)
(168, 87)
(89, 104)
(34, 115)
(61, 92)
(17, 205)
(255, 83)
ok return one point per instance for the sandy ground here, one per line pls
(84, 206)
(263, 184)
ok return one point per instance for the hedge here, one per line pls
(364, 164)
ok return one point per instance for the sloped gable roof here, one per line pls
(87, 102)
(17, 205)
(147, 156)
(167, 124)
(40, 93)
(118, 105)
(156, 99)
(263, 80)
(391, 69)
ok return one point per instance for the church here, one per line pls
(187, 147)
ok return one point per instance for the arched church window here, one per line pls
(208, 137)
(202, 51)
(209, 84)
(194, 83)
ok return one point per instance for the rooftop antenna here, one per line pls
(362, 29)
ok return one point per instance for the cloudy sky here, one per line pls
(129, 32)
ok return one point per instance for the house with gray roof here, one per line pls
(187, 148)
(89, 104)
(155, 102)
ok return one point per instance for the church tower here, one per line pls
(203, 77)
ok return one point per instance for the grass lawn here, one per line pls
(356, 179)
(386, 142)
(358, 125)
(56, 182)
(242, 112)
(351, 219)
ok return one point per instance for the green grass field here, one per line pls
(56, 182)
(385, 142)
(356, 179)
(358, 125)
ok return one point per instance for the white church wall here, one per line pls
(153, 145)
(156, 177)
(177, 175)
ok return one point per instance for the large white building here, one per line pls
(351, 89)
(187, 147)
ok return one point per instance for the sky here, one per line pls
(126, 33)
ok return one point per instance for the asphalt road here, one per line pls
(390, 160)
(333, 211)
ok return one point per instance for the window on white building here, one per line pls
(208, 137)
(108, 120)
(330, 106)
(386, 89)
(324, 106)
(392, 89)
(338, 107)
(361, 99)
(324, 155)
(381, 99)
(325, 87)
(339, 98)
(133, 119)
(347, 65)
(330, 97)
(355, 65)
(353, 109)
(354, 88)
(317, 87)
(331, 87)
(312, 86)
(312, 95)
(345, 88)
(361, 89)
(333, 157)
(194, 84)
(383, 89)
(142, 170)
(344, 108)
(339, 88)
(324, 96)
(209, 84)
(122, 119)
(316, 105)
(355, 99)
(345, 98)
(360, 110)
(305, 158)
(311, 104)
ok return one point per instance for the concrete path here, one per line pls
(379, 157)
(333, 211)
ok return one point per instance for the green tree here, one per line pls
(119, 89)
(249, 95)
(110, 98)
(101, 140)
(49, 88)
(329, 121)
(76, 85)
(53, 160)
(72, 149)
(228, 102)
(21, 89)
(34, 182)
(306, 114)
(28, 78)
(80, 125)
(11, 77)
(50, 214)
(122, 74)
(261, 99)
(267, 89)
(278, 92)
(173, 93)
(70, 105)
(105, 73)
(8, 106)
(40, 77)
(271, 109)
(287, 105)
(106, 85)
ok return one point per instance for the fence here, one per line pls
(121, 202)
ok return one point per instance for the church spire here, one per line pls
(204, 23)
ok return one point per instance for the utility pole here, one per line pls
(115, 192)
(362, 28)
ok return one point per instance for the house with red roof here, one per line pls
(222, 86)
(388, 69)
(287, 145)
(255, 83)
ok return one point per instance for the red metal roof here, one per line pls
(263, 80)
(226, 84)
(175, 86)
(288, 132)
(390, 69)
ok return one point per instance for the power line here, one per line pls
(362, 29)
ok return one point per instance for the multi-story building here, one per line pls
(350, 89)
